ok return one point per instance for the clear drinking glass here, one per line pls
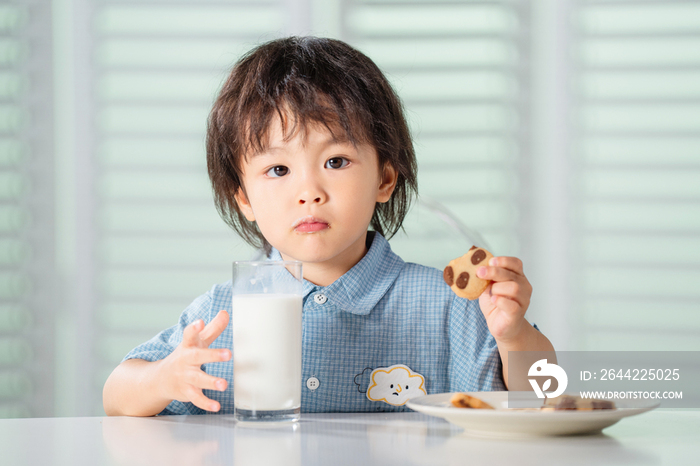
(266, 321)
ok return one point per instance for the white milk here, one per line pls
(266, 351)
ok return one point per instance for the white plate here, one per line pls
(504, 422)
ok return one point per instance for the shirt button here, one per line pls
(312, 383)
(320, 298)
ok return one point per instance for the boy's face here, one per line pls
(313, 199)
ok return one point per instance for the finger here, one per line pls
(214, 328)
(190, 336)
(199, 356)
(203, 380)
(510, 263)
(515, 290)
(497, 274)
(489, 289)
(506, 304)
(197, 398)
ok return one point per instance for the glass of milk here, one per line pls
(266, 322)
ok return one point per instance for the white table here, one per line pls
(658, 437)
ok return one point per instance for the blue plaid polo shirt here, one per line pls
(382, 312)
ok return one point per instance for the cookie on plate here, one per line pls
(573, 402)
(462, 400)
(460, 273)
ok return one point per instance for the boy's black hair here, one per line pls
(307, 80)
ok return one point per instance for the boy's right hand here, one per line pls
(183, 376)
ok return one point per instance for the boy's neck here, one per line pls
(327, 272)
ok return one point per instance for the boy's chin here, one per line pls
(320, 248)
(306, 257)
(310, 255)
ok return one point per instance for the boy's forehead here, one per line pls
(281, 132)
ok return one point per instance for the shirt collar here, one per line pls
(361, 287)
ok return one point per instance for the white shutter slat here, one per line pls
(428, 18)
(151, 152)
(458, 68)
(637, 201)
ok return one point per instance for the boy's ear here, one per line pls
(387, 183)
(244, 205)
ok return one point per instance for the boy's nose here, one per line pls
(311, 187)
(314, 195)
(305, 199)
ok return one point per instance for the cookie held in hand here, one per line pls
(460, 273)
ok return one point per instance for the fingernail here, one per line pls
(492, 261)
(481, 272)
(220, 384)
(214, 407)
(224, 355)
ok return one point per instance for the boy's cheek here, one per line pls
(244, 206)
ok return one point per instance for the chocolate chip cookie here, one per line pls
(460, 273)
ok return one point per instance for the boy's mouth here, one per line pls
(309, 224)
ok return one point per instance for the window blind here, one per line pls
(636, 190)
(26, 212)
(159, 242)
(149, 238)
(460, 68)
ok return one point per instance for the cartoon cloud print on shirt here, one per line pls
(395, 385)
(362, 381)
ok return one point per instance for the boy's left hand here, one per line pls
(505, 301)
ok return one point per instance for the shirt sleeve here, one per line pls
(164, 343)
(475, 364)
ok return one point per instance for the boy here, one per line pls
(307, 147)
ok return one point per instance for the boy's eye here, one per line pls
(336, 162)
(278, 171)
